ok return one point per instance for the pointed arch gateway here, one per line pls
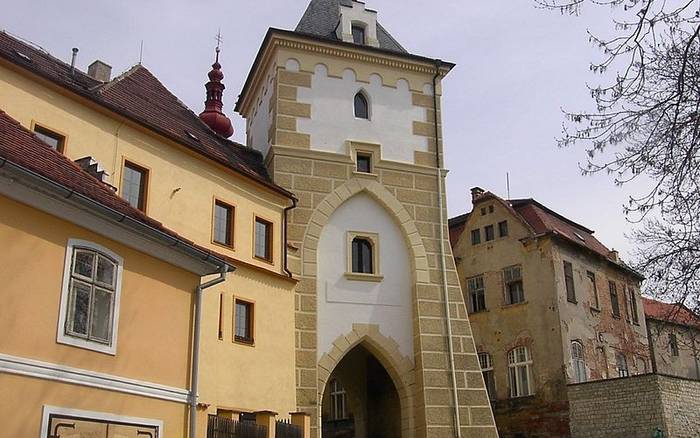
(365, 341)
(400, 369)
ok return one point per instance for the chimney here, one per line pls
(91, 166)
(477, 192)
(614, 255)
(100, 71)
(75, 51)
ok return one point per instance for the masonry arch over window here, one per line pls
(89, 311)
(520, 372)
(361, 105)
(578, 362)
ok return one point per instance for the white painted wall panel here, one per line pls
(342, 302)
(333, 120)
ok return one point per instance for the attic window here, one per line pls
(358, 34)
(192, 136)
(23, 56)
(580, 237)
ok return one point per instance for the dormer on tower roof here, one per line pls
(337, 19)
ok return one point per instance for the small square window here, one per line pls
(503, 229)
(135, 185)
(364, 163)
(244, 321)
(476, 237)
(490, 234)
(483, 211)
(53, 139)
(491, 209)
(263, 239)
(223, 223)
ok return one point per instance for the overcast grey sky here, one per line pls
(517, 66)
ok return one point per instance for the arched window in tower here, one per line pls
(361, 106)
(362, 257)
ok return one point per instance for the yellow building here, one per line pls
(169, 164)
(98, 303)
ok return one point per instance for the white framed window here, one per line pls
(519, 372)
(338, 401)
(89, 311)
(486, 364)
(578, 362)
(57, 421)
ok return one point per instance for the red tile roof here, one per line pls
(675, 313)
(541, 220)
(22, 148)
(142, 98)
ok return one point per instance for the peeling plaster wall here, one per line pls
(687, 363)
(535, 323)
(601, 333)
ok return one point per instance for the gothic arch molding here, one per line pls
(386, 351)
(322, 214)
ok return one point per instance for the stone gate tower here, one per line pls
(350, 122)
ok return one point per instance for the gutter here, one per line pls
(284, 239)
(194, 385)
(443, 268)
(136, 225)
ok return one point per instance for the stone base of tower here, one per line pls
(423, 380)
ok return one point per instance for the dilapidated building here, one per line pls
(674, 339)
(550, 306)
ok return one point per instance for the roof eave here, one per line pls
(445, 66)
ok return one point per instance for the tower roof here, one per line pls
(323, 16)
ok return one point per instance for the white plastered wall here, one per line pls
(342, 302)
(333, 121)
(261, 120)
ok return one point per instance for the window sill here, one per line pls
(508, 306)
(264, 260)
(87, 345)
(374, 278)
(223, 245)
(572, 302)
(367, 175)
(244, 342)
(479, 312)
(595, 309)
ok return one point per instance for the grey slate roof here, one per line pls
(323, 16)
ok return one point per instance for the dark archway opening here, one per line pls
(360, 399)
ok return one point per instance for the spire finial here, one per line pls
(219, 40)
(213, 115)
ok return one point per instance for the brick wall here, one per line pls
(634, 407)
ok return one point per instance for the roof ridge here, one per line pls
(117, 79)
(555, 214)
(38, 48)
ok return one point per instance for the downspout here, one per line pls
(284, 240)
(443, 268)
(194, 386)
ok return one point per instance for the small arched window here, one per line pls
(361, 106)
(362, 257)
(578, 362)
